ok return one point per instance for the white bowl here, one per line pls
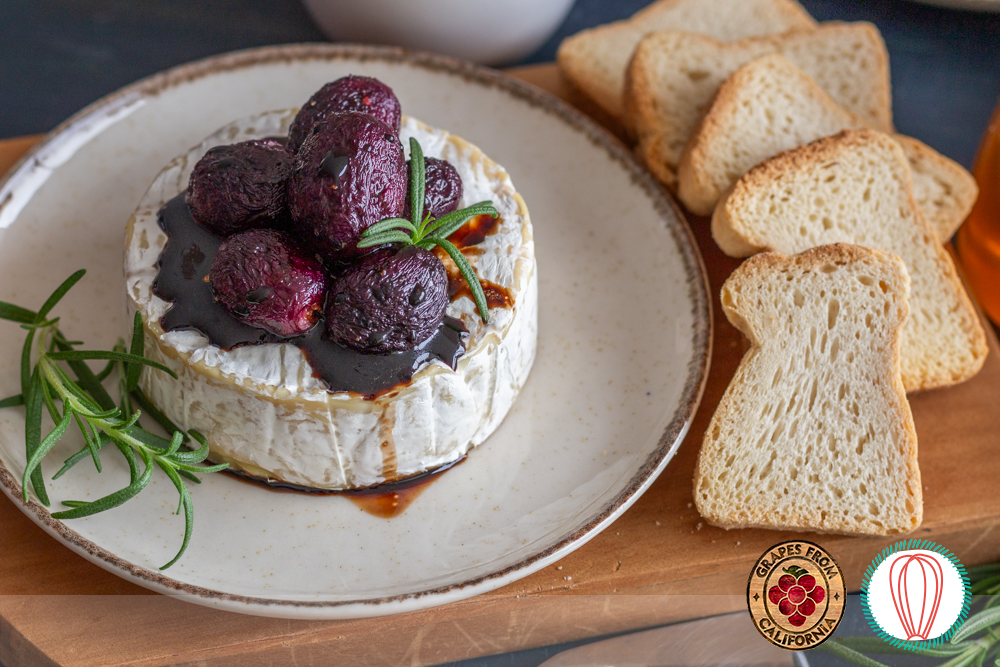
(492, 32)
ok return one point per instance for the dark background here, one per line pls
(57, 56)
(60, 55)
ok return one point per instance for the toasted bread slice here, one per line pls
(674, 76)
(768, 106)
(814, 431)
(944, 190)
(594, 60)
(763, 108)
(856, 187)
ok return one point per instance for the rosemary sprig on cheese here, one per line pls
(428, 231)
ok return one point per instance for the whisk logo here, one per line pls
(915, 594)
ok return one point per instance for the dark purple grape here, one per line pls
(239, 187)
(442, 188)
(349, 174)
(265, 279)
(361, 94)
(390, 301)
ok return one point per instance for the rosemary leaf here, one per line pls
(110, 501)
(154, 413)
(43, 448)
(29, 342)
(469, 274)
(417, 185)
(88, 381)
(49, 403)
(33, 435)
(447, 225)
(101, 440)
(199, 469)
(91, 442)
(9, 311)
(382, 239)
(12, 402)
(175, 444)
(186, 505)
(105, 372)
(390, 224)
(132, 369)
(188, 476)
(57, 296)
(976, 624)
(80, 355)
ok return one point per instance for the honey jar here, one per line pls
(978, 240)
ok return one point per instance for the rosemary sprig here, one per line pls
(976, 640)
(83, 401)
(428, 231)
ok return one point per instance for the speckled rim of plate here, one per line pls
(96, 115)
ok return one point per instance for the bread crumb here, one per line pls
(698, 527)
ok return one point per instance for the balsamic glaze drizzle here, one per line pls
(183, 280)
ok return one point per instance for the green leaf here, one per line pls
(383, 238)
(56, 296)
(469, 274)
(154, 413)
(102, 440)
(196, 455)
(188, 476)
(33, 435)
(12, 402)
(186, 504)
(91, 442)
(105, 372)
(447, 225)
(49, 403)
(200, 469)
(964, 659)
(88, 381)
(43, 448)
(175, 444)
(416, 183)
(9, 311)
(151, 440)
(80, 355)
(26, 361)
(133, 464)
(837, 648)
(109, 501)
(133, 370)
(74, 503)
(388, 224)
(977, 623)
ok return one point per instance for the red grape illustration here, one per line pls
(796, 595)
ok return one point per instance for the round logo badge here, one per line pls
(796, 595)
(915, 594)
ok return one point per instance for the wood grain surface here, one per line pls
(658, 563)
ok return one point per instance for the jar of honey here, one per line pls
(978, 240)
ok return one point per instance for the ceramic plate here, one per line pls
(623, 347)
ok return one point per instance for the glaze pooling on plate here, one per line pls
(615, 385)
(261, 407)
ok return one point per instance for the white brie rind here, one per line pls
(260, 407)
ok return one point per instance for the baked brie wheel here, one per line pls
(260, 406)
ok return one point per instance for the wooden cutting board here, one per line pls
(658, 563)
